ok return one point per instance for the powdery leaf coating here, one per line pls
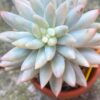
(54, 36)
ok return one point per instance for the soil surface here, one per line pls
(8, 88)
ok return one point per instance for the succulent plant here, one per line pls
(52, 39)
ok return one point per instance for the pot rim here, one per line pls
(71, 93)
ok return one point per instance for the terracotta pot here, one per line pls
(72, 93)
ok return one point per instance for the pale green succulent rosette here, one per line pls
(52, 39)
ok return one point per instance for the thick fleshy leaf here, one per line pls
(27, 75)
(85, 21)
(50, 15)
(21, 43)
(34, 44)
(74, 15)
(37, 7)
(40, 59)
(80, 78)
(58, 65)
(56, 85)
(15, 54)
(9, 64)
(29, 61)
(17, 22)
(41, 22)
(91, 56)
(50, 52)
(45, 2)
(45, 75)
(67, 40)
(18, 35)
(26, 2)
(82, 2)
(23, 8)
(61, 14)
(13, 68)
(69, 75)
(61, 31)
(96, 38)
(81, 60)
(83, 36)
(67, 52)
(71, 4)
(4, 37)
(96, 25)
(10, 36)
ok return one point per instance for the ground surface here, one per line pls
(8, 88)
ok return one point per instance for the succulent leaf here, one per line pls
(85, 21)
(80, 78)
(50, 15)
(81, 60)
(91, 56)
(58, 66)
(56, 85)
(69, 75)
(74, 15)
(61, 31)
(15, 54)
(45, 75)
(34, 44)
(29, 61)
(61, 14)
(50, 52)
(40, 59)
(17, 22)
(23, 8)
(67, 52)
(37, 7)
(41, 22)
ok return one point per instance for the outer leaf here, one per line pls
(58, 66)
(45, 75)
(50, 52)
(91, 56)
(83, 36)
(29, 61)
(37, 7)
(41, 59)
(67, 40)
(21, 43)
(74, 15)
(17, 22)
(56, 85)
(27, 75)
(69, 75)
(50, 15)
(81, 60)
(67, 52)
(61, 14)
(13, 68)
(17, 35)
(71, 4)
(4, 37)
(82, 2)
(34, 44)
(80, 78)
(9, 64)
(41, 22)
(96, 25)
(23, 8)
(86, 20)
(15, 54)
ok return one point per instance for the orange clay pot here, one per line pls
(71, 93)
